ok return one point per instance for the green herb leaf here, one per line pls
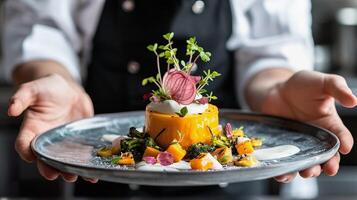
(211, 97)
(183, 112)
(191, 40)
(144, 82)
(202, 91)
(183, 63)
(158, 77)
(168, 36)
(205, 56)
(148, 80)
(115, 159)
(152, 47)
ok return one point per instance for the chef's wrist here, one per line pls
(37, 69)
(265, 86)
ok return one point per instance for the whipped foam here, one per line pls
(172, 107)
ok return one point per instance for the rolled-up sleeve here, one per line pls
(40, 30)
(269, 34)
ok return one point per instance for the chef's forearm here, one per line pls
(259, 87)
(36, 69)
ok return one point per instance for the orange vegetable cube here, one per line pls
(126, 159)
(248, 161)
(177, 151)
(245, 147)
(256, 142)
(238, 132)
(201, 163)
(151, 152)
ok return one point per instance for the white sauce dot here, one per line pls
(277, 152)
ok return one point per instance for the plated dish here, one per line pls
(182, 138)
(181, 124)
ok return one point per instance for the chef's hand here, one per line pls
(310, 97)
(47, 102)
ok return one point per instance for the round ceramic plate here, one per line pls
(71, 148)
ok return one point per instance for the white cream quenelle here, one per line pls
(172, 107)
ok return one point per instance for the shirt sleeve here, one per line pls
(41, 30)
(269, 34)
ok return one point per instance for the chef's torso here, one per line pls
(120, 59)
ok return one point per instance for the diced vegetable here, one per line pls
(223, 155)
(151, 152)
(196, 149)
(105, 152)
(126, 159)
(201, 163)
(177, 151)
(248, 161)
(256, 142)
(244, 147)
(238, 132)
(130, 144)
(135, 146)
(205, 161)
(220, 141)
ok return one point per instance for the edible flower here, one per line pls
(203, 100)
(147, 96)
(165, 158)
(150, 160)
(229, 130)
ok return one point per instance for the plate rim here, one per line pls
(43, 157)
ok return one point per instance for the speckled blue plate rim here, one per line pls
(332, 151)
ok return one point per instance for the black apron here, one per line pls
(120, 61)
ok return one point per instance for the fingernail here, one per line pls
(69, 180)
(91, 180)
(284, 180)
(51, 178)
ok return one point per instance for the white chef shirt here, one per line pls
(266, 34)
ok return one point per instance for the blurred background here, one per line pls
(335, 34)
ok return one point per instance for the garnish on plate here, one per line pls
(222, 151)
(178, 83)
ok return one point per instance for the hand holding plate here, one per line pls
(310, 97)
(47, 103)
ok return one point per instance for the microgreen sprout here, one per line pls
(168, 52)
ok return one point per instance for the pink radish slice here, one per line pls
(180, 86)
